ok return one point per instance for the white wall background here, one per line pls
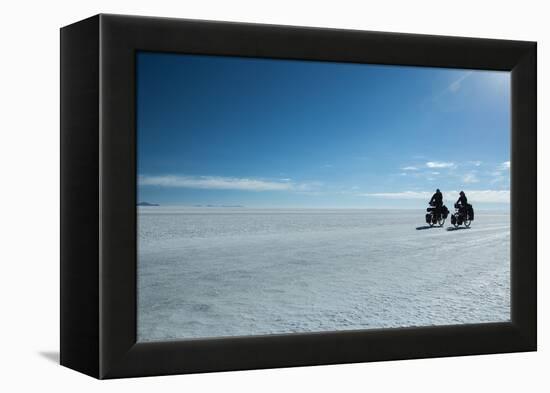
(29, 193)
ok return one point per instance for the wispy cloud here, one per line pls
(474, 196)
(440, 164)
(452, 88)
(500, 178)
(470, 178)
(457, 84)
(409, 168)
(501, 175)
(475, 163)
(221, 183)
(400, 195)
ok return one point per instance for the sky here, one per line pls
(220, 130)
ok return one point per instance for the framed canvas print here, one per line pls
(239, 196)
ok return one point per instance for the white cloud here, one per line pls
(409, 168)
(493, 196)
(474, 196)
(504, 166)
(400, 195)
(476, 163)
(219, 183)
(439, 164)
(470, 178)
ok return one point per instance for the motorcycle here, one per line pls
(463, 215)
(436, 215)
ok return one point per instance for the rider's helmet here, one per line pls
(437, 190)
(462, 193)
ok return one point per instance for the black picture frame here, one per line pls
(98, 196)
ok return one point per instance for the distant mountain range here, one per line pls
(156, 204)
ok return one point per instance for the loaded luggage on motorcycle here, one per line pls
(464, 214)
(436, 215)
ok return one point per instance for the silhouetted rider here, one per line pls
(462, 202)
(437, 199)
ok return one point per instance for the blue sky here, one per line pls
(285, 133)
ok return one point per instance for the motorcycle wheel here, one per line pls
(467, 223)
(441, 221)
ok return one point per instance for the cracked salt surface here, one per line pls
(211, 272)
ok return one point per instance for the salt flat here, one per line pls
(209, 272)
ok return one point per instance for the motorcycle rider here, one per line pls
(437, 200)
(462, 203)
